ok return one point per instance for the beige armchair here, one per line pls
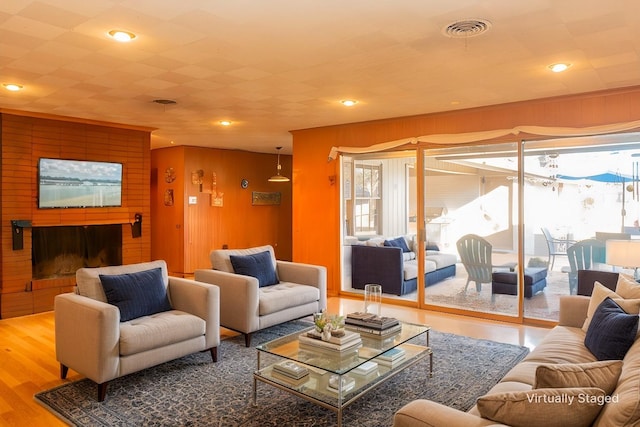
(92, 340)
(301, 290)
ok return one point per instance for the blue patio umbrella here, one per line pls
(601, 177)
(608, 177)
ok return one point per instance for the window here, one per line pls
(367, 184)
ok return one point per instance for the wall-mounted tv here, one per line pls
(79, 184)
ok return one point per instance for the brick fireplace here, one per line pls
(25, 139)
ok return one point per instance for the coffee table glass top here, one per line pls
(340, 362)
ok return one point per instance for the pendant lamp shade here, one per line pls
(278, 177)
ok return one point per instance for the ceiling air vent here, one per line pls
(466, 28)
(164, 101)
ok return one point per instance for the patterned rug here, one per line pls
(193, 391)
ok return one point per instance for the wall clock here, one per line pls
(244, 183)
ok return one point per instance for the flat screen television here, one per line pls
(79, 184)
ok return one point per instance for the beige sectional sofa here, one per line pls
(520, 399)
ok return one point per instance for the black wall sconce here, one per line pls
(17, 231)
(136, 227)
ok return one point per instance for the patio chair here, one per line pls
(555, 246)
(584, 255)
(475, 254)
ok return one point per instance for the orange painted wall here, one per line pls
(24, 140)
(316, 222)
(184, 233)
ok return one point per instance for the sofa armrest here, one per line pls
(87, 335)
(305, 274)
(573, 310)
(236, 290)
(377, 264)
(199, 299)
(425, 413)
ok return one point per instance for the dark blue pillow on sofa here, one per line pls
(257, 265)
(611, 332)
(136, 294)
(398, 242)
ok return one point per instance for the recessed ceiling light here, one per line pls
(348, 102)
(122, 36)
(12, 87)
(559, 67)
(225, 122)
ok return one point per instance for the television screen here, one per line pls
(79, 184)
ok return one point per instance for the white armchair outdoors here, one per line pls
(258, 291)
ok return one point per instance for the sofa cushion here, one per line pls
(375, 241)
(627, 287)
(136, 294)
(256, 265)
(408, 256)
(562, 344)
(220, 257)
(398, 242)
(545, 407)
(625, 409)
(285, 295)
(159, 330)
(600, 292)
(602, 374)
(611, 332)
(442, 260)
(88, 279)
(410, 268)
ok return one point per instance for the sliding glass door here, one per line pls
(377, 218)
(471, 216)
(487, 229)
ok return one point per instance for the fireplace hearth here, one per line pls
(61, 250)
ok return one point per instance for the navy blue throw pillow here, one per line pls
(136, 294)
(398, 242)
(611, 332)
(257, 265)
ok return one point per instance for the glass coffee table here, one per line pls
(334, 379)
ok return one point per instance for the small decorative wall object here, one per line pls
(168, 197)
(169, 175)
(216, 197)
(261, 198)
(197, 178)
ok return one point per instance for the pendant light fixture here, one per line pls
(277, 177)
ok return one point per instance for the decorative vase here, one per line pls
(326, 333)
(337, 332)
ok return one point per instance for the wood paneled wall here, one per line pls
(24, 140)
(184, 234)
(316, 218)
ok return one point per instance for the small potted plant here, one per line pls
(337, 325)
(320, 320)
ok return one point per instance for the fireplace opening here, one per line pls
(61, 250)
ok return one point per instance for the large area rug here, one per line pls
(193, 391)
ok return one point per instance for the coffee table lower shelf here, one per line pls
(315, 387)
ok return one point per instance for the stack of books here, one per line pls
(348, 343)
(334, 383)
(291, 372)
(372, 326)
(366, 368)
(391, 358)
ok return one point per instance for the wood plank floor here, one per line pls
(28, 364)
